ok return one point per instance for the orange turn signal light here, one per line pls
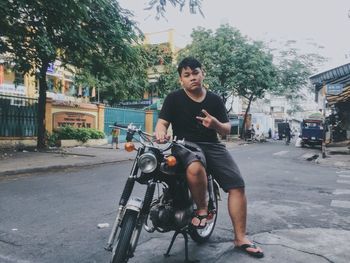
(129, 146)
(171, 160)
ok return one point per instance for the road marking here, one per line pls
(343, 171)
(281, 153)
(11, 259)
(342, 204)
(342, 192)
(344, 175)
(343, 182)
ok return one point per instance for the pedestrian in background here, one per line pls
(115, 137)
(287, 132)
(270, 133)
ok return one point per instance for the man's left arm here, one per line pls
(223, 128)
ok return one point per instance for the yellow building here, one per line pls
(12, 83)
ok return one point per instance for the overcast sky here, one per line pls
(325, 23)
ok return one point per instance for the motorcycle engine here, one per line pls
(165, 218)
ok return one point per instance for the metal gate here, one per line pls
(124, 117)
(18, 116)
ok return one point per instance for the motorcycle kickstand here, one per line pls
(184, 233)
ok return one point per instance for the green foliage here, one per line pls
(167, 81)
(155, 60)
(233, 65)
(160, 6)
(80, 134)
(159, 54)
(126, 80)
(96, 134)
(51, 139)
(86, 34)
(255, 72)
(294, 70)
(39, 32)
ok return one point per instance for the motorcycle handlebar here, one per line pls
(169, 143)
(123, 127)
(131, 130)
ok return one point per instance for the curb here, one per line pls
(56, 167)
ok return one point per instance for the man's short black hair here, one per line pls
(189, 62)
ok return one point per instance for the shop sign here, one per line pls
(75, 119)
(136, 103)
(334, 89)
(12, 89)
(51, 68)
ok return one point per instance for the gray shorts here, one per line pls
(217, 160)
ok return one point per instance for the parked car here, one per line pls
(312, 132)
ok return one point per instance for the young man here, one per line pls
(197, 115)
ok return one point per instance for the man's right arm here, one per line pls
(161, 130)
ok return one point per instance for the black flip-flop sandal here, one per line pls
(200, 218)
(244, 247)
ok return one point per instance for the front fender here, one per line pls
(134, 204)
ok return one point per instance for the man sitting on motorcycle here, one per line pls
(197, 115)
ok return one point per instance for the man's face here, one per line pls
(191, 79)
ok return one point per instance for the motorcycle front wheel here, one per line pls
(202, 235)
(122, 253)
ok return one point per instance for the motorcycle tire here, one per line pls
(122, 253)
(201, 236)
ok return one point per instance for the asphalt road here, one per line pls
(53, 217)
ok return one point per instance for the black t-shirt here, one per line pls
(181, 111)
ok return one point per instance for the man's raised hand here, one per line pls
(208, 121)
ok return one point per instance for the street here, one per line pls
(292, 205)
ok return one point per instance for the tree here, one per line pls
(161, 67)
(217, 52)
(255, 74)
(36, 33)
(160, 6)
(168, 80)
(233, 65)
(294, 70)
(116, 80)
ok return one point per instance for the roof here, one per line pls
(342, 97)
(338, 75)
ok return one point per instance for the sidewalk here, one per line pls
(338, 157)
(12, 162)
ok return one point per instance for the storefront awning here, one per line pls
(344, 96)
(338, 75)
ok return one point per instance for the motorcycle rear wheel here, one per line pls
(202, 235)
(122, 253)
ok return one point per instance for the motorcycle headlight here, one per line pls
(147, 162)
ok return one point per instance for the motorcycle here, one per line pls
(171, 208)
